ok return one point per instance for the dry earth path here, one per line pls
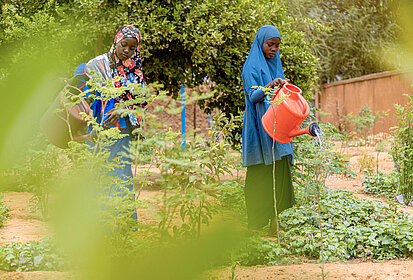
(22, 225)
(390, 270)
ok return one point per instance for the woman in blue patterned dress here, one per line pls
(123, 62)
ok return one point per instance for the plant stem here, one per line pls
(273, 182)
(233, 274)
(201, 204)
(321, 232)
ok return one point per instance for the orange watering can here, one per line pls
(282, 122)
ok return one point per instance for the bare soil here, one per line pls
(389, 270)
(36, 275)
(24, 226)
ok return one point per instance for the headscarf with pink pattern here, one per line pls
(129, 70)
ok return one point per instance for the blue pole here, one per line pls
(183, 128)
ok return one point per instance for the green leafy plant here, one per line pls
(366, 162)
(4, 212)
(380, 184)
(111, 203)
(402, 148)
(381, 146)
(39, 173)
(31, 256)
(345, 136)
(363, 122)
(313, 163)
(255, 251)
(231, 196)
(353, 228)
(190, 177)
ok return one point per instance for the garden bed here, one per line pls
(24, 226)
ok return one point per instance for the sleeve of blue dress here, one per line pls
(81, 78)
(256, 95)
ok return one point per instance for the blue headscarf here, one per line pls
(258, 70)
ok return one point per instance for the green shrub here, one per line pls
(31, 256)
(366, 162)
(40, 171)
(190, 177)
(352, 228)
(402, 148)
(313, 162)
(380, 184)
(4, 212)
(254, 252)
(232, 197)
(363, 122)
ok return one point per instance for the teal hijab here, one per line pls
(258, 70)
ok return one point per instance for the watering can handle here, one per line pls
(276, 93)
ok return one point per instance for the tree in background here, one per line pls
(350, 38)
(193, 41)
(183, 41)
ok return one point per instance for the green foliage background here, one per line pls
(186, 41)
(351, 38)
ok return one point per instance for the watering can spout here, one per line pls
(296, 132)
(313, 129)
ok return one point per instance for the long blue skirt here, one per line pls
(122, 172)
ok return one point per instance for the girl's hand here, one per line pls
(113, 118)
(277, 82)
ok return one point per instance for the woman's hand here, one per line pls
(82, 137)
(277, 82)
(113, 117)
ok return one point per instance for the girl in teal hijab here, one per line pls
(263, 68)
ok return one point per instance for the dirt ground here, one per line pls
(25, 226)
(390, 270)
(36, 275)
(22, 225)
